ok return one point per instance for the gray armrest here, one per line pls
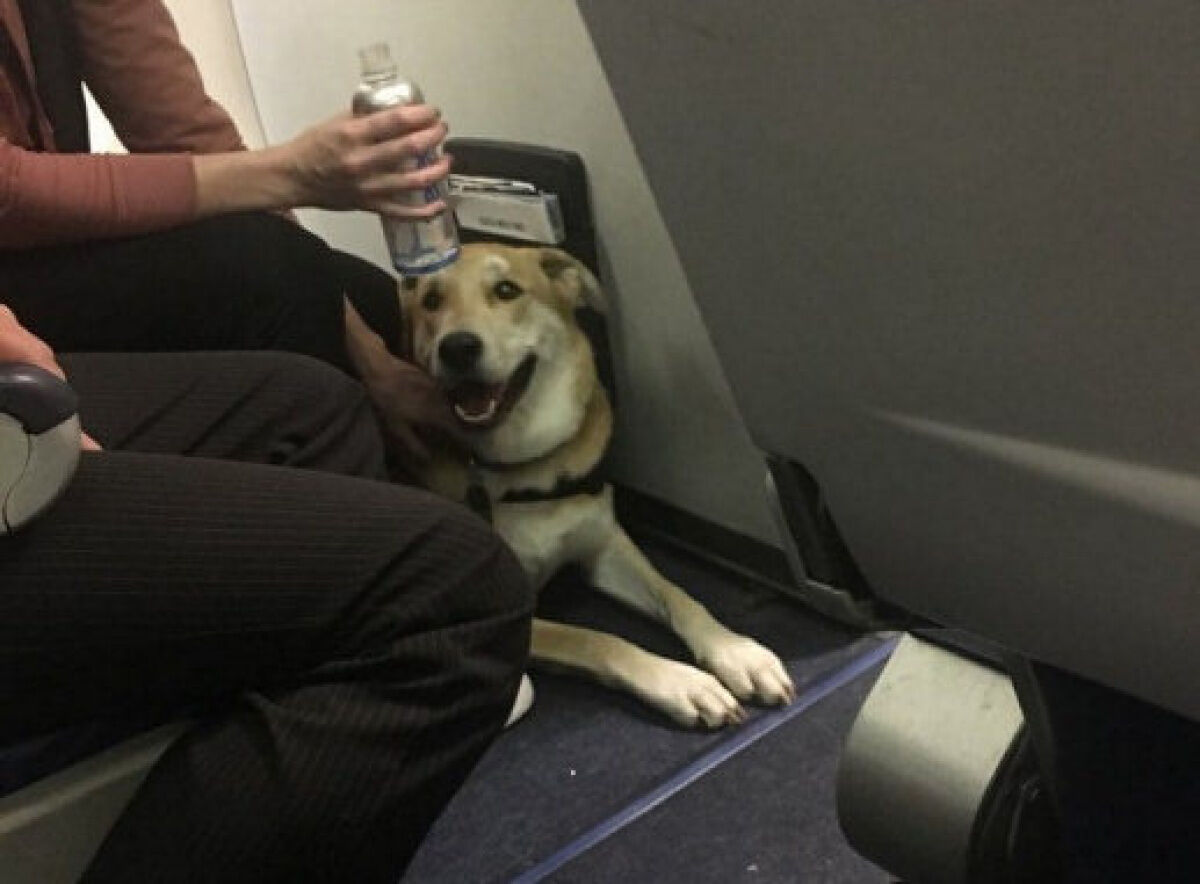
(39, 441)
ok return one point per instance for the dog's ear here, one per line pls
(574, 279)
(408, 304)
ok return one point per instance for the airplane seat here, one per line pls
(944, 258)
(59, 793)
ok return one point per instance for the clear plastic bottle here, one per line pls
(417, 246)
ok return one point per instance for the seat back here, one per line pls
(945, 253)
(561, 174)
(51, 828)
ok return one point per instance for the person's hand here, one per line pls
(369, 163)
(413, 409)
(18, 344)
(414, 412)
(348, 162)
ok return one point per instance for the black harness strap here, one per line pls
(591, 483)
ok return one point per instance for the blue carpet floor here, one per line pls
(585, 755)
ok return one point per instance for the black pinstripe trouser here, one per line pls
(352, 646)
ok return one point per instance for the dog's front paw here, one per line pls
(689, 695)
(748, 669)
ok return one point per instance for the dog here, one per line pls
(499, 331)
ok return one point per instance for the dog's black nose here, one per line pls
(460, 351)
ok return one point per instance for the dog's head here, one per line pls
(498, 331)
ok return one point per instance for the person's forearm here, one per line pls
(46, 199)
(245, 181)
(342, 164)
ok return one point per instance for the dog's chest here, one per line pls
(545, 535)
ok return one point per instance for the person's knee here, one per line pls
(494, 600)
(283, 260)
(464, 579)
(491, 582)
(277, 280)
(262, 249)
(262, 233)
(307, 385)
(309, 378)
(510, 585)
(320, 415)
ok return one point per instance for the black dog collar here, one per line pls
(591, 483)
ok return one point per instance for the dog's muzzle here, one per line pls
(481, 404)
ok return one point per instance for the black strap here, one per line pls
(593, 483)
(58, 67)
(478, 500)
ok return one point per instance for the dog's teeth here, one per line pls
(477, 417)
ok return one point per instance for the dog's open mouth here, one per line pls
(481, 406)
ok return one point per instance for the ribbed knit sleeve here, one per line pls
(50, 198)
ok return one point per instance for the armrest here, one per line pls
(39, 441)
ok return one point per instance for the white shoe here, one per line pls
(522, 703)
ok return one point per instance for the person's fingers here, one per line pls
(389, 185)
(394, 122)
(389, 156)
(18, 344)
(406, 212)
(370, 162)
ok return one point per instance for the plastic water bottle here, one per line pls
(416, 246)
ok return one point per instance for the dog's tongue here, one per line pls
(475, 403)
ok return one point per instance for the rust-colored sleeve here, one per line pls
(147, 82)
(56, 198)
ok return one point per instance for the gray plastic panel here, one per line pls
(946, 252)
(930, 739)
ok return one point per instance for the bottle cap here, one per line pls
(376, 60)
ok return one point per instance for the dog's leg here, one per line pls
(688, 695)
(744, 666)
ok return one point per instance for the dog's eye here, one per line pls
(506, 290)
(432, 299)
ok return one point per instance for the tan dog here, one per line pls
(498, 331)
